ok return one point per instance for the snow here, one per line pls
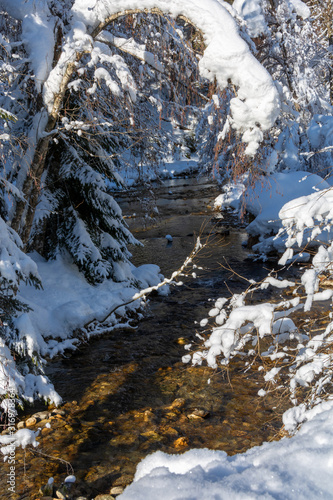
(226, 57)
(291, 209)
(22, 437)
(296, 468)
(270, 195)
(281, 203)
(14, 263)
(251, 12)
(70, 479)
(301, 8)
(37, 26)
(66, 302)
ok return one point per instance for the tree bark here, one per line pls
(25, 210)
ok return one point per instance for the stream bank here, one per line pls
(128, 394)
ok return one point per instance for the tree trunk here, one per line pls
(25, 210)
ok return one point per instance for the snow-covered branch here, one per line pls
(147, 291)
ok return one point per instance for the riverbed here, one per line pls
(127, 393)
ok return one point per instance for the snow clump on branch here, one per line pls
(226, 58)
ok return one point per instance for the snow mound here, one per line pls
(296, 468)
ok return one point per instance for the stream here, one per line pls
(127, 394)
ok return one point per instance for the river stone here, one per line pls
(57, 411)
(170, 431)
(171, 416)
(192, 416)
(148, 416)
(30, 422)
(152, 435)
(60, 495)
(116, 490)
(177, 403)
(43, 422)
(199, 412)
(180, 442)
(45, 431)
(42, 415)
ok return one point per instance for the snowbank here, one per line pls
(298, 468)
(66, 302)
(281, 202)
(267, 197)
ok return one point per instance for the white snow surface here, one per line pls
(22, 437)
(271, 193)
(251, 12)
(280, 200)
(296, 468)
(38, 34)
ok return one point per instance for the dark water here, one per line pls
(128, 394)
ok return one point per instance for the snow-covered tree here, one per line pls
(300, 65)
(284, 37)
(112, 121)
(83, 98)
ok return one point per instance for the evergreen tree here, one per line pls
(112, 120)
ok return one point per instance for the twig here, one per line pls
(198, 246)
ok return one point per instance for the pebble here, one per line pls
(45, 431)
(180, 442)
(152, 435)
(198, 412)
(116, 490)
(177, 403)
(42, 415)
(30, 422)
(57, 411)
(148, 415)
(170, 431)
(171, 415)
(192, 416)
(43, 422)
(182, 341)
(60, 495)
(104, 497)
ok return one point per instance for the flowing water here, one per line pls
(127, 394)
